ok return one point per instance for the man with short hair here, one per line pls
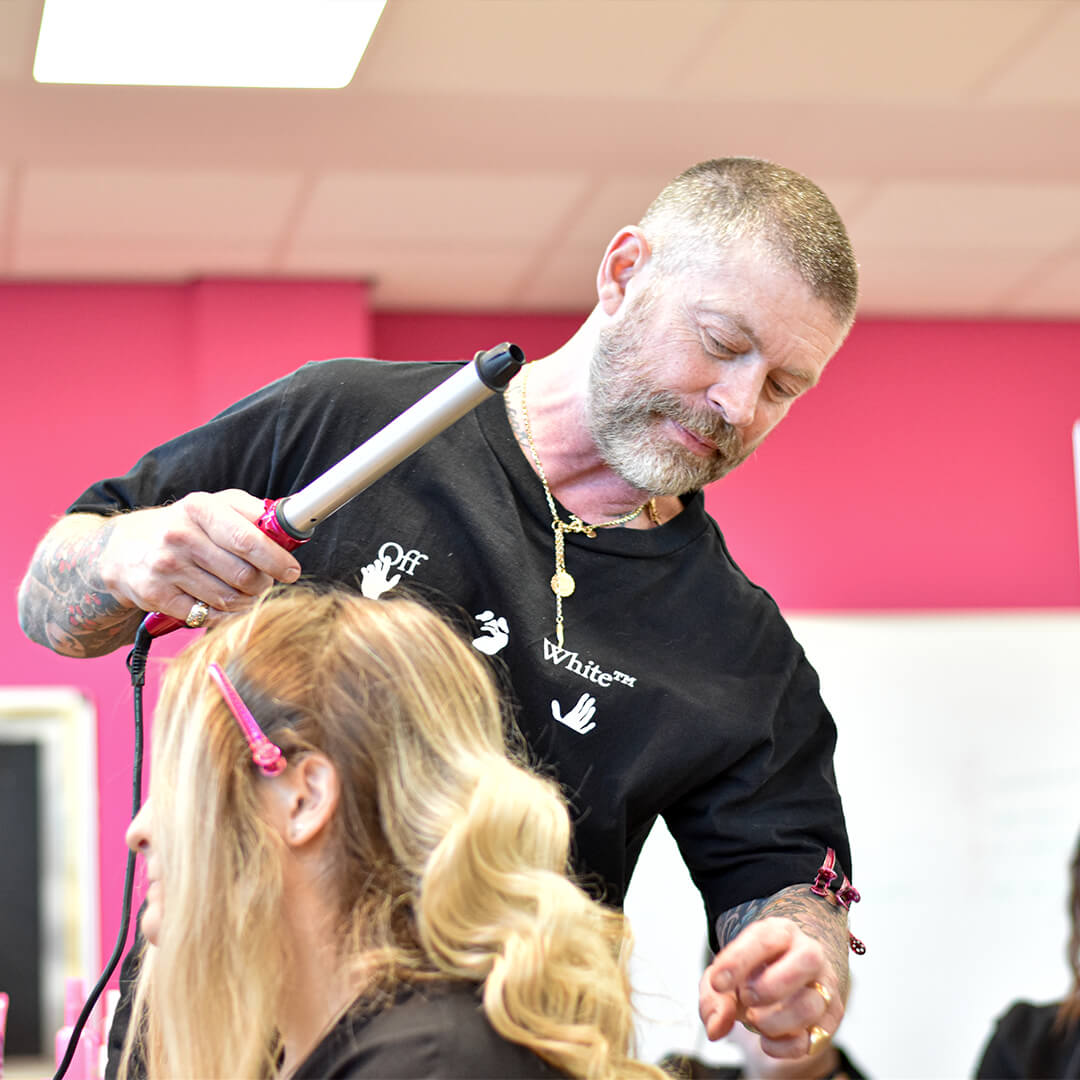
(565, 524)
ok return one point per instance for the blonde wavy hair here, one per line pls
(451, 856)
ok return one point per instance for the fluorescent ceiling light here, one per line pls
(294, 43)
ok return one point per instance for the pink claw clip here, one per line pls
(264, 753)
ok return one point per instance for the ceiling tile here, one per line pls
(416, 275)
(1047, 70)
(613, 202)
(858, 50)
(937, 127)
(344, 256)
(976, 215)
(164, 258)
(544, 48)
(18, 33)
(440, 207)
(1052, 292)
(849, 196)
(130, 203)
(475, 280)
(902, 281)
(5, 195)
(562, 281)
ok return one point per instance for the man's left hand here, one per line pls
(777, 980)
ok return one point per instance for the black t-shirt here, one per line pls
(1026, 1045)
(687, 1067)
(437, 1033)
(680, 690)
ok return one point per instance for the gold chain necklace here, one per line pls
(562, 584)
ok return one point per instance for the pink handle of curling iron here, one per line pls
(270, 525)
(158, 624)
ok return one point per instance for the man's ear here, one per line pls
(626, 255)
(309, 795)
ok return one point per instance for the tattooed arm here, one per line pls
(63, 602)
(92, 578)
(819, 917)
(772, 952)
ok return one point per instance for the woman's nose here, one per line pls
(138, 832)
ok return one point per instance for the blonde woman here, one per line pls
(350, 876)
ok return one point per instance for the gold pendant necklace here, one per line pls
(562, 583)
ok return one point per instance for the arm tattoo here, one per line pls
(818, 917)
(64, 604)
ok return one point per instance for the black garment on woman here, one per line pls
(438, 1032)
(1026, 1045)
(685, 1067)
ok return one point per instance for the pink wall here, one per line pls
(94, 375)
(930, 470)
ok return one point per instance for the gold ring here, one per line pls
(823, 991)
(819, 1038)
(197, 615)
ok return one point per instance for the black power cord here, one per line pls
(136, 663)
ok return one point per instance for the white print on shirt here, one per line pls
(375, 577)
(398, 556)
(496, 633)
(580, 717)
(565, 658)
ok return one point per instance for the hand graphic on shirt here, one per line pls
(373, 579)
(496, 631)
(580, 717)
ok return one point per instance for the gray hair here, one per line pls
(717, 202)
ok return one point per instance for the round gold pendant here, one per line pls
(562, 584)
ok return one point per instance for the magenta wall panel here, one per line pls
(94, 375)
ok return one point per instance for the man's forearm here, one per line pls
(816, 916)
(63, 602)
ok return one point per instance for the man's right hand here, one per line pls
(92, 577)
(204, 547)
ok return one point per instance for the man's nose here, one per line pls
(737, 390)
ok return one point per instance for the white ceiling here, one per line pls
(487, 149)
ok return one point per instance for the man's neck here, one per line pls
(546, 407)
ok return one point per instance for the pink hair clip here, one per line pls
(264, 753)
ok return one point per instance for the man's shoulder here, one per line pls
(348, 371)
(751, 592)
(348, 386)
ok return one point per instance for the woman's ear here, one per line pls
(626, 255)
(305, 798)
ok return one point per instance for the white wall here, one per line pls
(959, 763)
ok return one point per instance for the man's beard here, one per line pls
(626, 414)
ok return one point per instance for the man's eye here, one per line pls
(782, 391)
(716, 346)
